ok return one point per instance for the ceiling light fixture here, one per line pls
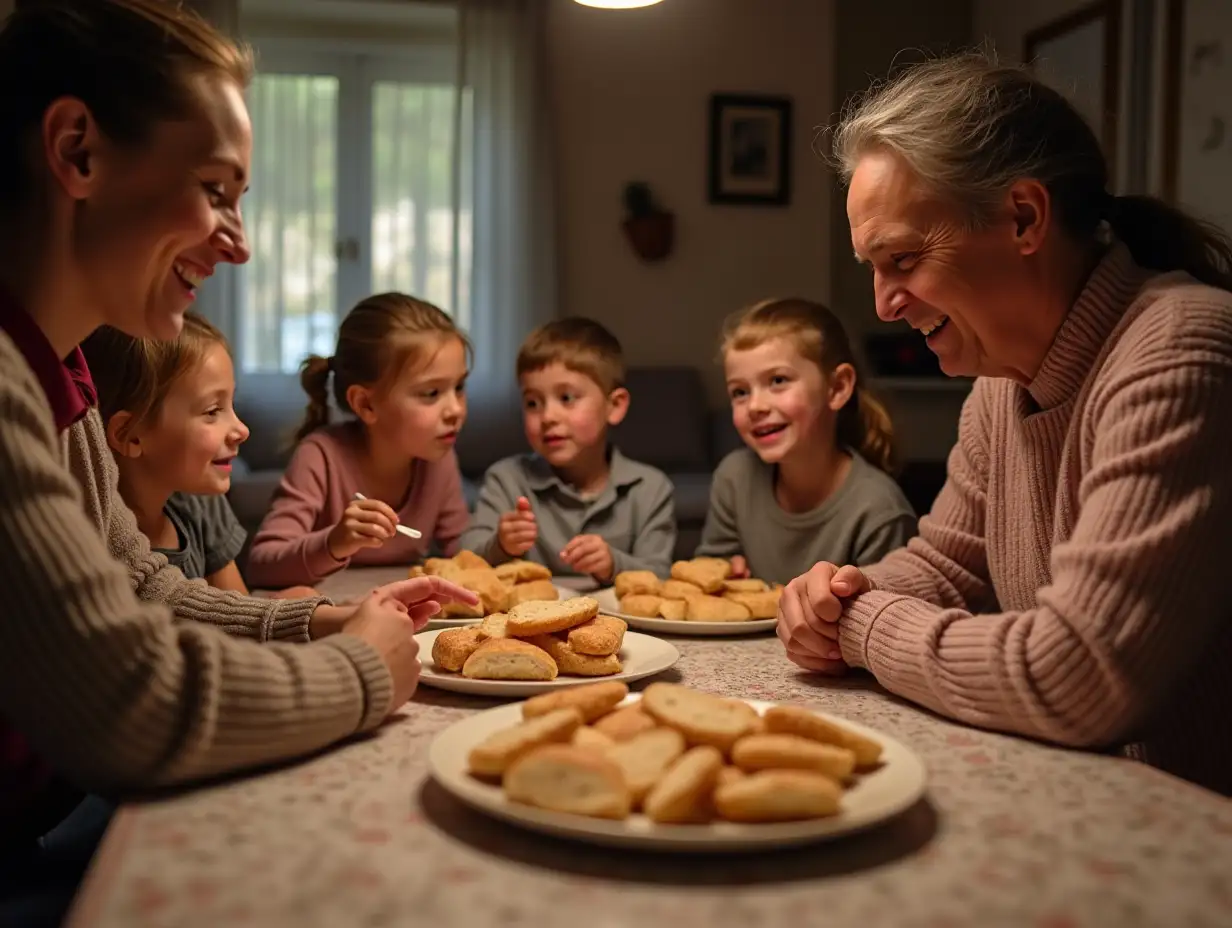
(618, 4)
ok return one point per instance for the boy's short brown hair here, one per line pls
(581, 345)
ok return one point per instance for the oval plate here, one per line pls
(641, 655)
(610, 605)
(877, 796)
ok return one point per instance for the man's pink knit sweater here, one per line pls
(1073, 581)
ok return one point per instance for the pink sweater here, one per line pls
(1072, 582)
(291, 546)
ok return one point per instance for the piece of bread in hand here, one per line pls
(715, 609)
(791, 752)
(631, 582)
(778, 796)
(641, 604)
(509, 659)
(491, 756)
(577, 665)
(684, 793)
(543, 618)
(521, 571)
(645, 757)
(792, 720)
(625, 722)
(702, 718)
(601, 636)
(565, 778)
(454, 646)
(593, 700)
(541, 590)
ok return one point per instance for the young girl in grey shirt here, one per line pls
(813, 484)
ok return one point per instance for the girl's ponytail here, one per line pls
(314, 377)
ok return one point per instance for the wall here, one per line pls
(630, 97)
(1006, 25)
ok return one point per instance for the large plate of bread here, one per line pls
(700, 598)
(498, 587)
(675, 768)
(539, 646)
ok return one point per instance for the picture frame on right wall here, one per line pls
(750, 150)
(1197, 114)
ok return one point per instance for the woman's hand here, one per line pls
(420, 598)
(365, 523)
(809, 610)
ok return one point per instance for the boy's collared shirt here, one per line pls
(634, 513)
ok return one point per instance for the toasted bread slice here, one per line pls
(685, 791)
(454, 646)
(778, 796)
(565, 778)
(792, 720)
(574, 664)
(625, 722)
(630, 582)
(646, 757)
(541, 590)
(644, 605)
(702, 718)
(791, 752)
(509, 659)
(594, 700)
(520, 571)
(601, 636)
(543, 618)
(492, 756)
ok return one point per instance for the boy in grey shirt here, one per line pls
(576, 504)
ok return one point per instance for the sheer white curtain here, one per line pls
(486, 249)
(509, 186)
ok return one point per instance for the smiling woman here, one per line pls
(1063, 586)
(124, 143)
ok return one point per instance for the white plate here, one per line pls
(880, 795)
(610, 605)
(641, 655)
(563, 592)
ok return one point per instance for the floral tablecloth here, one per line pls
(1011, 833)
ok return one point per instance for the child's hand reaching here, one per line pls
(518, 529)
(365, 523)
(589, 554)
(739, 567)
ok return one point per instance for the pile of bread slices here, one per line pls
(700, 590)
(499, 588)
(535, 641)
(679, 755)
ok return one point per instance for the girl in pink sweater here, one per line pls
(400, 370)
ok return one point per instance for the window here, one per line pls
(358, 165)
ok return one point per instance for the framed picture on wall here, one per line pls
(1079, 55)
(1197, 112)
(750, 150)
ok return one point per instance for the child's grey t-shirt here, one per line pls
(634, 513)
(863, 520)
(211, 537)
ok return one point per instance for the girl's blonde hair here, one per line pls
(969, 128)
(133, 375)
(863, 424)
(376, 340)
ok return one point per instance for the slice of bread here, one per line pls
(540, 590)
(629, 582)
(792, 720)
(509, 659)
(646, 757)
(493, 626)
(564, 778)
(543, 618)
(601, 636)
(454, 646)
(574, 664)
(643, 605)
(685, 792)
(702, 718)
(778, 796)
(492, 756)
(593, 700)
(791, 752)
(520, 571)
(625, 722)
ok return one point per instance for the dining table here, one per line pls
(1009, 832)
